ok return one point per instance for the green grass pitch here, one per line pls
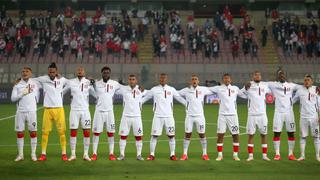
(162, 167)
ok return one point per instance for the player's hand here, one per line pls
(247, 85)
(318, 90)
(16, 81)
(92, 81)
(141, 88)
(25, 91)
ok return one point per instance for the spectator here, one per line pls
(264, 35)
(235, 48)
(2, 46)
(254, 50)
(134, 49)
(163, 49)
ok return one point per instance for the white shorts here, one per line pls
(127, 122)
(287, 118)
(159, 122)
(230, 121)
(260, 121)
(80, 116)
(23, 117)
(199, 121)
(103, 119)
(306, 123)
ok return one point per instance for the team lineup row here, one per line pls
(26, 94)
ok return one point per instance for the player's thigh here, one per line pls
(47, 120)
(170, 126)
(304, 127)
(85, 119)
(278, 120)
(19, 122)
(314, 126)
(60, 119)
(110, 123)
(290, 122)
(222, 124)
(74, 119)
(251, 125)
(188, 124)
(157, 126)
(137, 127)
(233, 124)
(200, 123)
(125, 125)
(98, 121)
(32, 121)
(262, 123)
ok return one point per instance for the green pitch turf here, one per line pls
(162, 167)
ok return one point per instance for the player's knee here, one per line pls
(110, 134)
(202, 135)
(73, 133)
(61, 132)
(291, 134)
(96, 134)
(277, 134)
(123, 137)
(188, 135)
(20, 134)
(86, 133)
(138, 138)
(45, 133)
(33, 134)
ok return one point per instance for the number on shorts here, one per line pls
(316, 131)
(139, 130)
(264, 128)
(34, 124)
(201, 126)
(171, 129)
(234, 128)
(113, 126)
(87, 122)
(292, 125)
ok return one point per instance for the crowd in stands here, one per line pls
(296, 38)
(204, 39)
(39, 34)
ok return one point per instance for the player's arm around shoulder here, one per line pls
(177, 96)
(148, 95)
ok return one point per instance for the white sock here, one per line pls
(111, 144)
(20, 143)
(86, 145)
(33, 142)
(122, 146)
(95, 142)
(302, 146)
(276, 145)
(153, 144)
(73, 143)
(316, 141)
(203, 142)
(291, 146)
(139, 147)
(186, 143)
(172, 145)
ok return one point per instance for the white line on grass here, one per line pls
(128, 142)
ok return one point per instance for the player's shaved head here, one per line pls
(80, 72)
(226, 79)
(132, 80)
(194, 81)
(281, 76)
(257, 76)
(308, 81)
(26, 73)
(52, 71)
(163, 79)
